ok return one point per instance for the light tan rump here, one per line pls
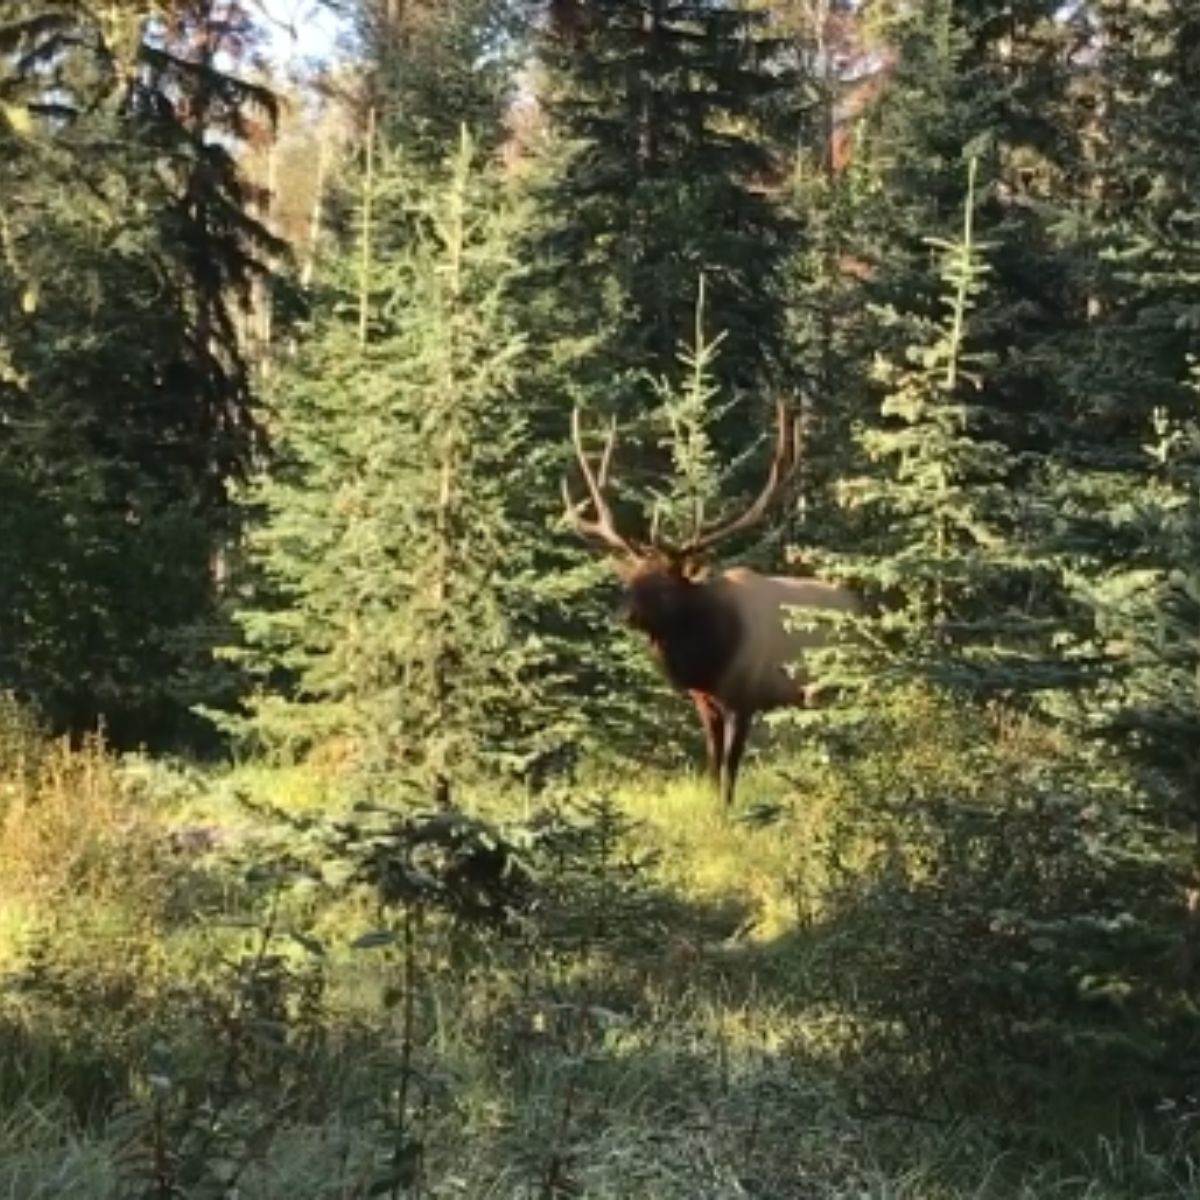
(758, 678)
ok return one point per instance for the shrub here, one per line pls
(997, 917)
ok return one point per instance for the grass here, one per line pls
(164, 1034)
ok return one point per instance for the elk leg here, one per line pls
(737, 729)
(713, 721)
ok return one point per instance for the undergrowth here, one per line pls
(877, 978)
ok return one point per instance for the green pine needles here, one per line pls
(689, 408)
(943, 533)
(1148, 611)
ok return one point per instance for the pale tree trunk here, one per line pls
(832, 250)
(263, 303)
(447, 497)
(648, 140)
(318, 209)
(364, 258)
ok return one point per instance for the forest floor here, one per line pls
(186, 1009)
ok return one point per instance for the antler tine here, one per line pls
(604, 527)
(784, 464)
(595, 485)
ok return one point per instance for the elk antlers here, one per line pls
(603, 527)
(784, 463)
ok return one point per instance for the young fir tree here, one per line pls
(943, 534)
(996, 78)
(402, 527)
(1036, 914)
(1150, 615)
(1134, 228)
(690, 409)
(1137, 217)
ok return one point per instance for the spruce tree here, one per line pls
(1129, 366)
(1149, 615)
(1127, 479)
(834, 191)
(1138, 216)
(127, 243)
(943, 539)
(433, 65)
(994, 80)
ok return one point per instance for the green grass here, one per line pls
(703, 1047)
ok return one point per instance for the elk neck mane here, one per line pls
(694, 630)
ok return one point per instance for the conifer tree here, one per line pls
(402, 528)
(834, 193)
(700, 475)
(993, 80)
(666, 114)
(942, 535)
(127, 243)
(1146, 601)
(434, 65)
(1138, 216)
(1129, 366)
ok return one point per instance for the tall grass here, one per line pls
(687, 1018)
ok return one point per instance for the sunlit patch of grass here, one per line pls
(695, 1059)
(292, 789)
(753, 859)
(16, 919)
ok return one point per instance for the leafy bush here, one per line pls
(998, 918)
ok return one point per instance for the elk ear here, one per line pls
(695, 570)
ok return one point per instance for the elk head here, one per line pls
(658, 572)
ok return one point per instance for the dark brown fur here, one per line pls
(695, 636)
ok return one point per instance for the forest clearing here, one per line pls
(599, 598)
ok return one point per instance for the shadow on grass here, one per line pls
(642, 1040)
(40, 1066)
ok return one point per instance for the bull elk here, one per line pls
(724, 638)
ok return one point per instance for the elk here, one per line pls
(723, 639)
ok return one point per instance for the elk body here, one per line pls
(722, 638)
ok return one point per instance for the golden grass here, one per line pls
(69, 829)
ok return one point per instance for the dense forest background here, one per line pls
(289, 349)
